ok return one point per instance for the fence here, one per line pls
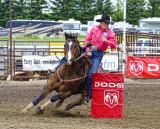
(12, 61)
(4, 59)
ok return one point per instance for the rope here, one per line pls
(69, 80)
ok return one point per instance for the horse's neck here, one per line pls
(69, 70)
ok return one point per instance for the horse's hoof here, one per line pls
(58, 104)
(68, 107)
(39, 111)
(23, 112)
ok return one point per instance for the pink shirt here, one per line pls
(95, 37)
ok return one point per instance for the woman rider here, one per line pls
(102, 37)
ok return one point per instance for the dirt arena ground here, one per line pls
(142, 109)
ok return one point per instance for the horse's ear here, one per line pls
(66, 35)
(76, 36)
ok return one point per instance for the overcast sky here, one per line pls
(114, 2)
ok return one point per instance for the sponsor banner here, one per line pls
(107, 95)
(39, 63)
(143, 67)
(110, 62)
(44, 63)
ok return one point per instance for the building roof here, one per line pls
(151, 19)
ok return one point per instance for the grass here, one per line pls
(36, 38)
(27, 41)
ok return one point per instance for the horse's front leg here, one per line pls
(37, 100)
(53, 99)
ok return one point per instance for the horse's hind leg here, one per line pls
(37, 100)
(54, 98)
(77, 102)
(59, 103)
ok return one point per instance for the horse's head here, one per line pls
(71, 48)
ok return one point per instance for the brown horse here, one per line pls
(67, 80)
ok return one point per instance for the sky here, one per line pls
(114, 2)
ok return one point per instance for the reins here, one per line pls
(75, 79)
(70, 80)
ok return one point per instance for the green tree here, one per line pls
(154, 8)
(104, 6)
(34, 9)
(63, 9)
(4, 12)
(85, 10)
(19, 7)
(1, 14)
(82, 10)
(136, 10)
(118, 13)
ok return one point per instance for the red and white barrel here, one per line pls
(107, 95)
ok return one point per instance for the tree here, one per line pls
(104, 6)
(118, 14)
(136, 10)
(19, 7)
(34, 9)
(85, 10)
(1, 14)
(63, 9)
(154, 8)
(4, 12)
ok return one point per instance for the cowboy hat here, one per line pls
(104, 18)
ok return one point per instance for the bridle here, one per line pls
(77, 47)
(75, 59)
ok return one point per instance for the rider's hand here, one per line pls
(104, 39)
(89, 54)
(88, 44)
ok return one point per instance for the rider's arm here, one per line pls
(89, 37)
(111, 40)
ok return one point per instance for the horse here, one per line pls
(68, 79)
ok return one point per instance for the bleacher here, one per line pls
(35, 27)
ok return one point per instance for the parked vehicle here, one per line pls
(71, 26)
(3, 31)
(143, 45)
(84, 29)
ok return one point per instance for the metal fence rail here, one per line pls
(4, 61)
(21, 48)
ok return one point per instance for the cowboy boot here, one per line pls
(85, 93)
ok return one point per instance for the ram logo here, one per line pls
(136, 67)
(111, 98)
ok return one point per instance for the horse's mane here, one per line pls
(73, 36)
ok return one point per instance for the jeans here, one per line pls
(96, 60)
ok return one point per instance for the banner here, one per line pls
(107, 95)
(110, 62)
(40, 63)
(45, 63)
(143, 67)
